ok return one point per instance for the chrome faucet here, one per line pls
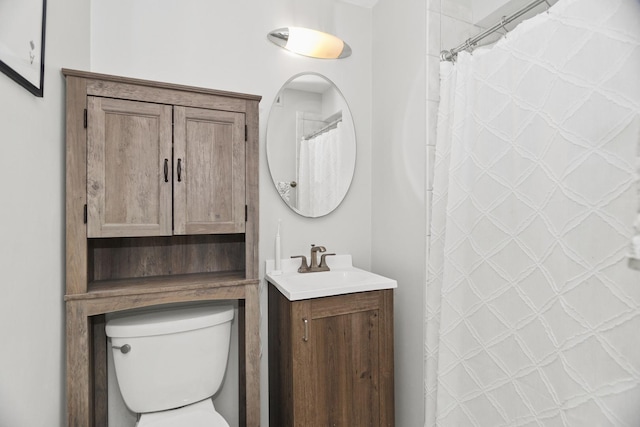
(322, 266)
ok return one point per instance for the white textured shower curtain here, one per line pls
(318, 165)
(532, 315)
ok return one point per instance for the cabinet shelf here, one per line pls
(157, 284)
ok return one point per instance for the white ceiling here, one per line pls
(362, 3)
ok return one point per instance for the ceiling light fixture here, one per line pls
(312, 43)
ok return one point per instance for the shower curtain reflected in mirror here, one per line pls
(532, 315)
(319, 164)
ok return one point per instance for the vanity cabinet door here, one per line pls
(209, 181)
(344, 369)
(128, 168)
(334, 364)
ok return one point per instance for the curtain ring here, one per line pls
(502, 24)
(468, 46)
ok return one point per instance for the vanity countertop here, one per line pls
(343, 278)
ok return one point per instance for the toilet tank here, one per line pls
(175, 356)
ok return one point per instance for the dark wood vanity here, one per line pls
(331, 360)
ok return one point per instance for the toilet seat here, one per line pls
(200, 414)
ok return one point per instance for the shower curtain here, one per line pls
(318, 166)
(532, 315)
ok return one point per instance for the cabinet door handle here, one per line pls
(166, 170)
(305, 337)
(179, 170)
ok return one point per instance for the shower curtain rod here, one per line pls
(450, 55)
(324, 129)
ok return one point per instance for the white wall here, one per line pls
(399, 179)
(196, 42)
(32, 374)
(202, 43)
(487, 13)
(482, 10)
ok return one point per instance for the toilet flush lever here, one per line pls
(124, 349)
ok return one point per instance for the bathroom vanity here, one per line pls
(161, 207)
(331, 348)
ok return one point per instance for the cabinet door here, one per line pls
(345, 361)
(128, 168)
(209, 164)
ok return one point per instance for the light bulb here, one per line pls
(312, 43)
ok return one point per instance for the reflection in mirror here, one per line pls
(311, 145)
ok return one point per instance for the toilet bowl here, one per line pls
(201, 414)
(169, 362)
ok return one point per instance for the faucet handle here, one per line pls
(323, 262)
(303, 266)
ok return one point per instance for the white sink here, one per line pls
(343, 278)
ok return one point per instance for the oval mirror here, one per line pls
(311, 145)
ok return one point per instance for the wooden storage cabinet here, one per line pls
(161, 207)
(331, 360)
(158, 170)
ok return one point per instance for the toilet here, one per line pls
(169, 362)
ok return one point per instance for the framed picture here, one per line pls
(22, 33)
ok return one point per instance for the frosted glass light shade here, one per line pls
(312, 43)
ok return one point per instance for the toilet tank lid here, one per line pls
(154, 321)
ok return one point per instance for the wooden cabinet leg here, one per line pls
(242, 358)
(79, 402)
(100, 387)
(249, 349)
(252, 356)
